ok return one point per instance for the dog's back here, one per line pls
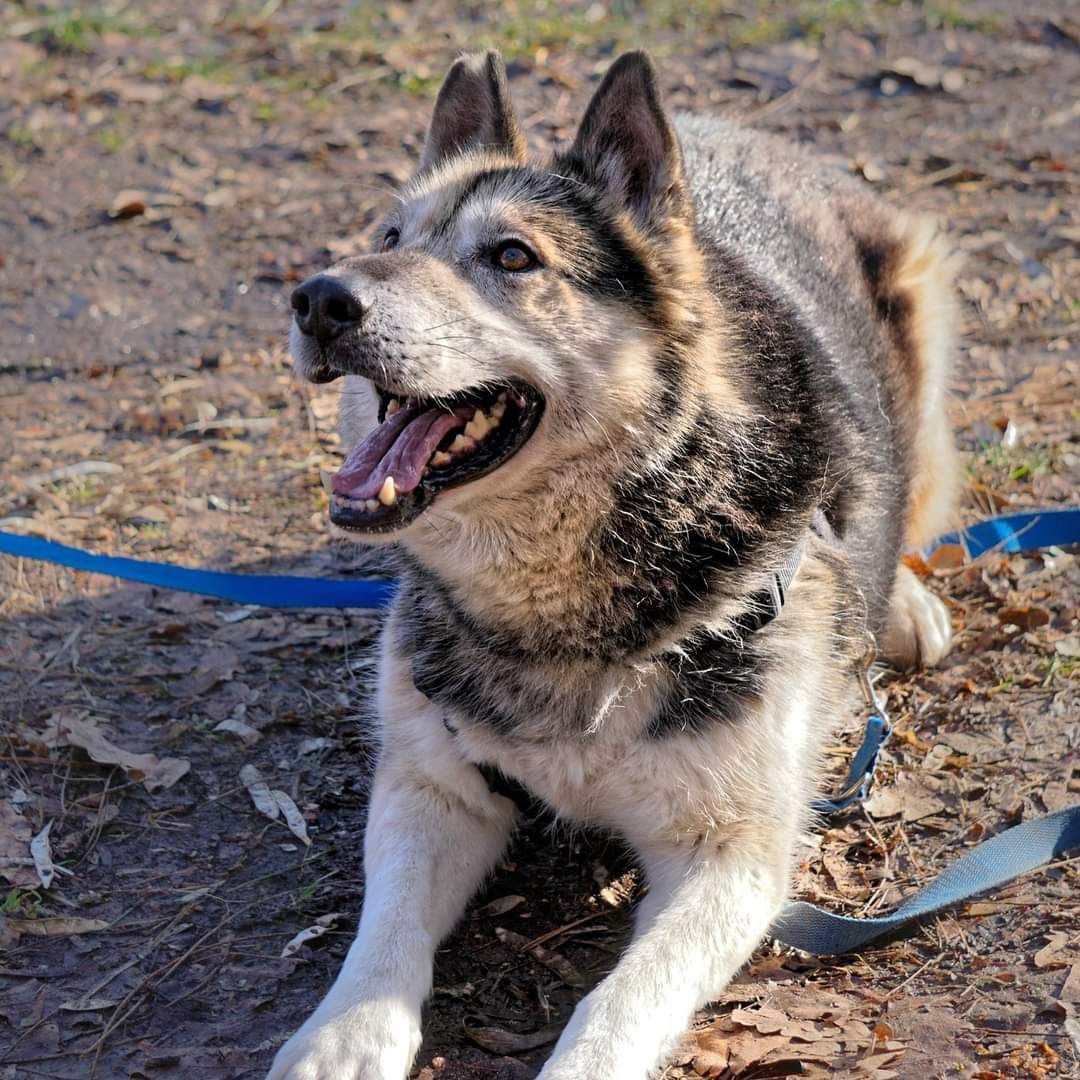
(873, 287)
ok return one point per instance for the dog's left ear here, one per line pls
(627, 143)
(473, 111)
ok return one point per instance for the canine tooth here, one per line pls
(498, 409)
(502, 397)
(462, 444)
(387, 493)
(392, 406)
(327, 479)
(440, 457)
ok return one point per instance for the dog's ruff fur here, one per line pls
(727, 338)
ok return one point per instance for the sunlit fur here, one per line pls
(732, 343)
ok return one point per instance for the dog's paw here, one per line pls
(919, 631)
(374, 1041)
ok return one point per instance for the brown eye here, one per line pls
(390, 240)
(515, 257)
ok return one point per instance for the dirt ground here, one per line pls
(166, 172)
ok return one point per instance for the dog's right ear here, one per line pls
(473, 110)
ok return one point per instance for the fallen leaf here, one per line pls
(322, 925)
(92, 1004)
(68, 729)
(1027, 618)
(946, 557)
(56, 926)
(1070, 991)
(260, 793)
(500, 1041)
(500, 906)
(128, 204)
(248, 735)
(1049, 956)
(1069, 646)
(42, 856)
(15, 862)
(293, 818)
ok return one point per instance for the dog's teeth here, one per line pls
(498, 409)
(440, 457)
(388, 493)
(478, 426)
(502, 398)
(371, 505)
(462, 444)
(327, 479)
(392, 406)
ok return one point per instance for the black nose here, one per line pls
(325, 308)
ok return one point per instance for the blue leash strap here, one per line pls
(994, 862)
(269, 590)
(1014, 533)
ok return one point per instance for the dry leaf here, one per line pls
(322, 925)
(1027, 618)
(56, 926)
(68, 729)
(1070, 991)
(259, 791)
(128, 204)
(500, 906)
(87, 1004)
(15, 862)
(1049, 956)
(946, 557)
(500, 1041)
(42, 856)
(248, 735)
(293, 818)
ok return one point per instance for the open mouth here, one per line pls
(421, 448)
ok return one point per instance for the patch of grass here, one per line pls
(177, 69)
(111, 140)
(79, 489)
(954, 16)
(1019, 463)
(73, 30)
(25, 903)
(18, 135)
(264, 112)
(1067, 667)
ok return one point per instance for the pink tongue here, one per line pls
(399, 447)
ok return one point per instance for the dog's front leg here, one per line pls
(434, 830)
(706, 911)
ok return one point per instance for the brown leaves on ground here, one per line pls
(68, 728)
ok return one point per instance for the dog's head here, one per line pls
(514, 319)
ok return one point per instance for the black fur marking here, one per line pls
(714, 678)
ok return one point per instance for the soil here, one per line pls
(167, 172)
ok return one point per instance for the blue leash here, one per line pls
(801, 925)
(269, 590)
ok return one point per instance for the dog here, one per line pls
(655, 423)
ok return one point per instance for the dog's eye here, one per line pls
(390, 240)
(514, 256)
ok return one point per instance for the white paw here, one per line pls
(376, 1040)
(919, 630)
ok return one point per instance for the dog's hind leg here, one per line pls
(434, 831)
(923, 301)
(706, 911)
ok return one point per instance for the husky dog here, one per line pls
(655, 422)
